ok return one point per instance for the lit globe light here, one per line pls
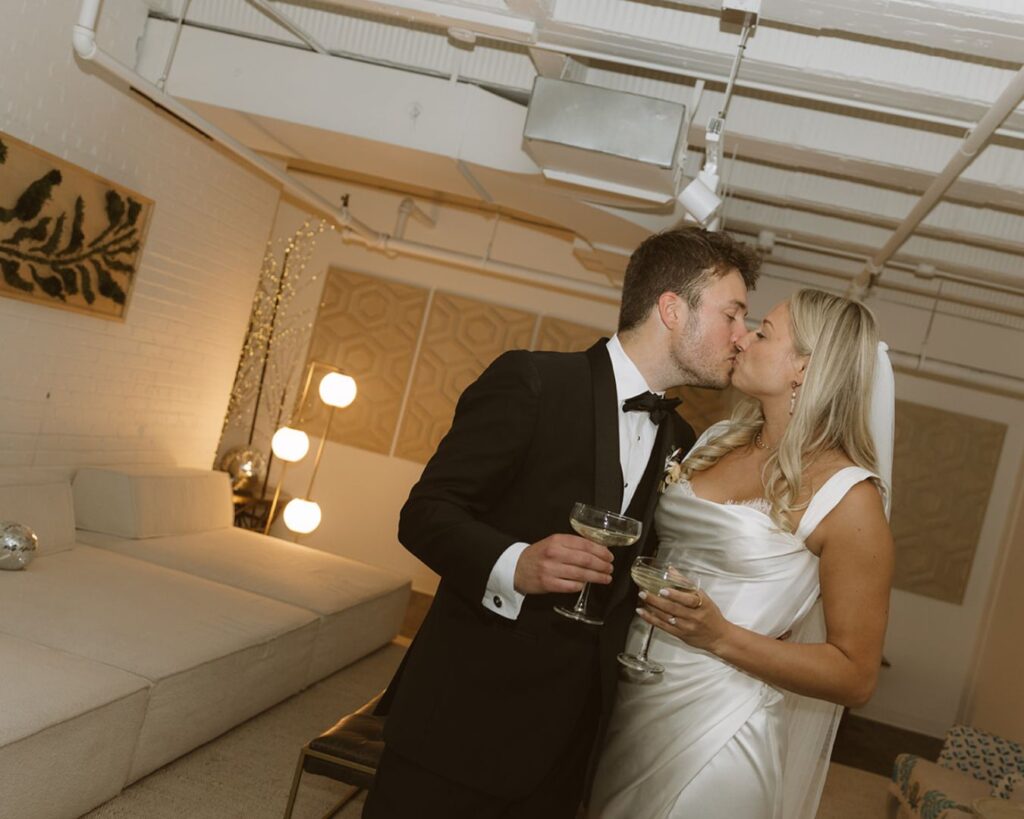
(290, 444)
(337, 390)
(302, 516)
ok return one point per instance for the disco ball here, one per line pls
(245, 466)
(17, 545)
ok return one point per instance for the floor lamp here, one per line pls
(290, 445)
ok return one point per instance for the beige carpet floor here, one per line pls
(247, 772)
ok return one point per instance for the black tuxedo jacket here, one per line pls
(479, 699)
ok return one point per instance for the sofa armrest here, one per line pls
(926, 789)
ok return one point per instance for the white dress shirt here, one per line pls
(636, 440)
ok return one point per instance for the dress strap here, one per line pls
(828, 496)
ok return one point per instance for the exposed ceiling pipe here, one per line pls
(996, 285)
(1011, 97)
(160, 83)
(580, 52)
(957, 373)
(485, 22)
(83, 39)
(391, 245)
(289, 24)
(84, 42)
(518, 29)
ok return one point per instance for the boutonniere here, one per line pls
(673, 469)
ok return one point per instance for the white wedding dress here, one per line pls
(705, 739)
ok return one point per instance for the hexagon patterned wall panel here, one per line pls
(368, 327)
(565, 336)
(943, 470)
(462, 337)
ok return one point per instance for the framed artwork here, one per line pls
(68, 238)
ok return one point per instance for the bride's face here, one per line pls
(767, 365)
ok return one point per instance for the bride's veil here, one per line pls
(811, 723)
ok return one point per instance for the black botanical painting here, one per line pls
(68, 238)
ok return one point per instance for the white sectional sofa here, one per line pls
(154, 626)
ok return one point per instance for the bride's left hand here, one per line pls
(693, 617)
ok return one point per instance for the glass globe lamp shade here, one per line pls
(302, 516)
(337, 390)
(290, 444)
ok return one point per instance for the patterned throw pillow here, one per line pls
(1010, 786)
(982, 755)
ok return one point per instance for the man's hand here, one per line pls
(562, 563)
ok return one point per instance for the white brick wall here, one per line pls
(154, 388)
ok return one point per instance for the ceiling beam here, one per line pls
(988, 30)
(829, 72)
(859, 201)
(533, 9)
(448, 15)
(863, 240)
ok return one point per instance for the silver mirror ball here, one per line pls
(17, 545)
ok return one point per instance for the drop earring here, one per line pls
(792, 397)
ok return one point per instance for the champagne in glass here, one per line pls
(609, 529)
(652, 575)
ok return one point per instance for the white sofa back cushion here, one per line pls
(46, 508)
(149, 501)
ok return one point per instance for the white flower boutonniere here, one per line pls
(673, 470)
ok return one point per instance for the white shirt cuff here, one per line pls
(501, 596)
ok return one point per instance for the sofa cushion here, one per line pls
(275, 568)
(135, 616)
(361, 607)
(49, 687)
(68, 730)
(46, 508)
(148, 501)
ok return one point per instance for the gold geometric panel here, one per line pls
(943, 467)
(368, 328)
(566, 337)
(703, 407)
(462, 337)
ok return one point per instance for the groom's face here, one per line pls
(704, 346)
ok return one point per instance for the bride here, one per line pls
(770, 510)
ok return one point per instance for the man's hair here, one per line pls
(684, 261)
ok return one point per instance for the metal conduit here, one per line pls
(84, 42)
(289, 24)
(1004, 105)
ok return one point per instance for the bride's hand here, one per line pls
(693, 617)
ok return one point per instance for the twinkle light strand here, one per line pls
(277, 332)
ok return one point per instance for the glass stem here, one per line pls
(647, 643)
(581, 601)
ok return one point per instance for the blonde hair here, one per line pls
(840, 338)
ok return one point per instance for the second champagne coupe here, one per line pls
(652, 575)
(607, 528)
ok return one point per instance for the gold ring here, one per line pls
(700, 600)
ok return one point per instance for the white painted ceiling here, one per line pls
(844, 112)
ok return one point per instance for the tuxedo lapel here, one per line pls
(646, 497)
(607, 467)
(642, 508)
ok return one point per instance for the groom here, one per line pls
(500, 701)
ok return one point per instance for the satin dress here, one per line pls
(705, 739)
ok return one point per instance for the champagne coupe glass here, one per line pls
(607, 528)
(652, 575)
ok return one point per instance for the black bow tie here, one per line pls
(658, 407)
